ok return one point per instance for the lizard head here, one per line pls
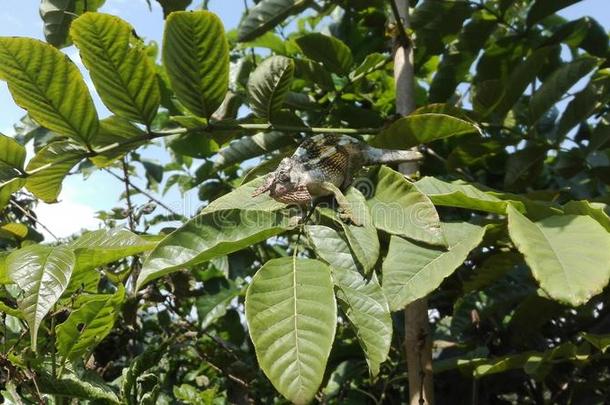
(284, 184)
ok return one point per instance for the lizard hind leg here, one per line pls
(345, 211)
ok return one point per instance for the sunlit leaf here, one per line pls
(196, 56)
(43, 273)
(292, 315)
(121, 71)
(43, 81)
(563, 253)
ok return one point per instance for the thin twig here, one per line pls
(130, 211)
(32, 217)
(143, 192)
(405, 42)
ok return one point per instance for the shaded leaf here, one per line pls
(331, 52)
(58, 14)
(543, 8)
(88, 325)
(266, 15)
(249, 147)
(213, 305)
(291, 314)
(115, 130)
(269, 84)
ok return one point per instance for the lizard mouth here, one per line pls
(299, 196)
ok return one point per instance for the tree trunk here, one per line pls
(418, 341)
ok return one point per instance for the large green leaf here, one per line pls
(411, 271)
(555, 87)
(329, 51)
(50, 166)
(266, 15)
(115, 130)
(269, 84)
(213, 305)
(228, 224)
(399, 208)
(363, 239)
(49, 86)
(96, 248)
(43, 273)
(88, 325)
(58, 14)
(543, 8)
(362, 299)
(462, 195)
(416, 129)
(122, 73)
(196, 56)
(292, 314)
(564, 254)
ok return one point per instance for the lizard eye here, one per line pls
(284, 177)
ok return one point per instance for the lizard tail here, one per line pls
(375, 156)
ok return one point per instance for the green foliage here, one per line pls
(196, 56)
(504, 229)
(291, 330)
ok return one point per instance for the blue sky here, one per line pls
(81, 198)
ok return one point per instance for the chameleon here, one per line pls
(325, 165)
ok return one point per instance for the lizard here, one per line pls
(324, 165)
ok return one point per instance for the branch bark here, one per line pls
(418, 341)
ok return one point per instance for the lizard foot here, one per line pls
(347, 216)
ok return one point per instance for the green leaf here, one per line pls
(313, 72)
(416, 129)
(266, 15)
(491, 270)
(543, 8)
(115, 130)
(524, 166)
(268, 40)
(252, 146)
(169, 6)
(4, 276)
(87, 386)
(122, 73)
(363, 240)
(130, 376)
(12, 153)
(43, 81)
(362, 299)
(563, 253)
(462, 195)
(556, 86)
(88, 325)
(58, 14)
(594, 210)
(601, 342)
(196, 56)
(97, 248)
(371, 63)
(329, 51)
(411, 271)
(399, 208)
(49, 168)
(585, 33)
(291, 313)
(269, 84)
(43, 273)
(6, 191)
(230, 223)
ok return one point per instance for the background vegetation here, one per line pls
(505, 231)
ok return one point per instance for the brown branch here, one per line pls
(130, 211)
(418, 342)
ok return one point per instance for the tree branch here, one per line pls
(32, 217)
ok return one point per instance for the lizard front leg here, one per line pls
(345, 210)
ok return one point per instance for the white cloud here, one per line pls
(66, 217)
